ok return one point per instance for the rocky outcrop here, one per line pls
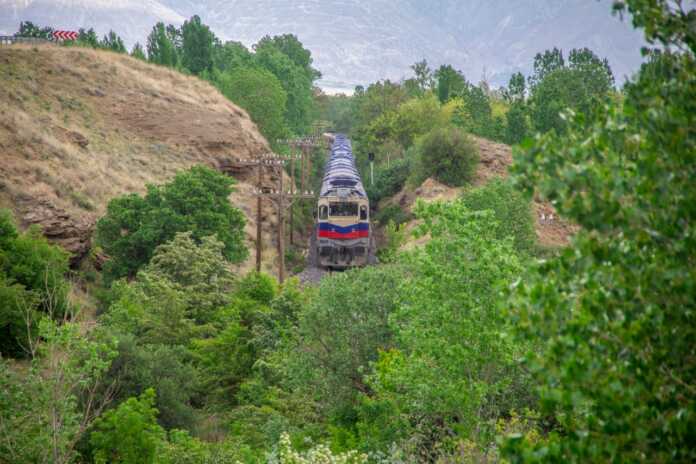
(69, 231)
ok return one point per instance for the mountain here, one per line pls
(360, 41)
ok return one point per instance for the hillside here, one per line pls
(79, 127)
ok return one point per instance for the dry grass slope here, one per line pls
(79, 127)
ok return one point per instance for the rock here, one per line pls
(71, 233)
(96, 92)
(78, 139)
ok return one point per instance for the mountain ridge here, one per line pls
(355, 42)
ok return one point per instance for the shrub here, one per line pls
(449, 155)
(511, 210)
(129, 433)
(351, 310)
(392, 213)
(195, 200)
(166, 368)
(389, 180)
(394, 237)
(32, 279)
(318, 454)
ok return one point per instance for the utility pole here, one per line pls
(305, 144)
(238, 166)
(281, 195)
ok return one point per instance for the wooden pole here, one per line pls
(292, 192)
(302, 169)
(281, 230)
(258, 217)
(308, 163)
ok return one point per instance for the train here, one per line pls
(343, 230)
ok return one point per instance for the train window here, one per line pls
(363, 212)
(323, 212)
(343, 208)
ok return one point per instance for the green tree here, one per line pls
(294, 80)
(545, 63)
(160, 48)
(197, 46)
(580, 86)
(448, 154)
(174, 297)
(88, 38)
(137, 52)
(340, 333)
(166, 368)
(423, 75)
(260, 93)
(515, 91)
(49, 405)
(195, 200)
(129, 433)
(113, 42)
(517, 125)
(29, 29)
(231, 56)
(289, 45)
(511, 210)
(450, 82)
(454, 367)
(32, 280)
(613, 316)
(479, 108)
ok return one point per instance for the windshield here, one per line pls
(343, 208)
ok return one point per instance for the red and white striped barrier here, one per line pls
(65, 35)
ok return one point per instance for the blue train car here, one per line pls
(343, 211)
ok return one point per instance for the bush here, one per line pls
(129, 433)
(392, 213)
(177, 296)
(511, 210)
(195, 200)
(32, 279)
(449, 155)
(167, 369)
(339, 334)
(389, 180)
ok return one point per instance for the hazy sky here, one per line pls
(359, 41)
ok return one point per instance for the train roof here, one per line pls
(340, 171)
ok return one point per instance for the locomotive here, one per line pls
(343, 211)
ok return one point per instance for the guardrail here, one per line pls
(10, 40)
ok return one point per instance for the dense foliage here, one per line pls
(261, 93)
(195, 200)
(617, 310)
(32, 281)
(459, 347)
(512, 212)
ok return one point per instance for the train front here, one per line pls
(343, 222)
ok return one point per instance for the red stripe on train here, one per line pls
(347, 235)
